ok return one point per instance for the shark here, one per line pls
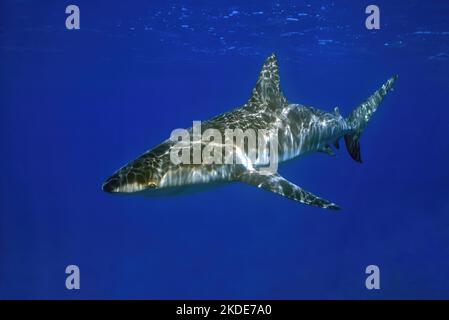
(299, 129)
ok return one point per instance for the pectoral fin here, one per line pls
(277, 184)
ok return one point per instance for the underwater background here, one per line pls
(75, 105)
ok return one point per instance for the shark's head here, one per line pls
(140, 175)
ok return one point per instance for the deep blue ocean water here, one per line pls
(77, 105)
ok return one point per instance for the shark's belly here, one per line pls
(186, 175)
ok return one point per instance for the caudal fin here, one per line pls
(360, 117)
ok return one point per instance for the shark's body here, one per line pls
(300, 130)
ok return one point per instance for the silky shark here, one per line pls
(300, 130)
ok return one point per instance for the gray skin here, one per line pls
(301, 130)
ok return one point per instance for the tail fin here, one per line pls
(360, 117)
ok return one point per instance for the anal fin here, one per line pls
(277, 184)
(328, 150)
(337, 144)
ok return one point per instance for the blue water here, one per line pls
(76, 105)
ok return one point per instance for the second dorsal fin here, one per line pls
(267, 92)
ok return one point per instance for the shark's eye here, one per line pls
(151, 184)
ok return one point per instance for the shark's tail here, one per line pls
(360, 117)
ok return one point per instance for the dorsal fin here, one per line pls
(337, 112)
(267, 92)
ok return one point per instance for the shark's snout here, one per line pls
(127, 181)
(111, 185)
